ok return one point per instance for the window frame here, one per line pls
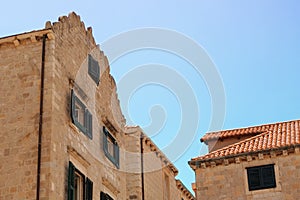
(115, 159)
(81, 184)
(87, 126)
(105, 196)
(260, 177)
(93, 69)
(86, 184)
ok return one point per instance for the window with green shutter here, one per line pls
(81, 116)
(71, 181)
(93, 69)
(89, 189)
(105, 196)
(110, 147)
(261, 177)
(79, 186)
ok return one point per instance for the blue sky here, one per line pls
(254, 45)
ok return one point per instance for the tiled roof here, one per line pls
(251, 131)
(275, 136)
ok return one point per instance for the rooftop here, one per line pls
(254, 130)
(269, 137)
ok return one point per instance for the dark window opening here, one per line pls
(79, 186)
(261, 177)
(81, 116)
(110, 147)
(105, 196)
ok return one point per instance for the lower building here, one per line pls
(63, 135)
(260, 162)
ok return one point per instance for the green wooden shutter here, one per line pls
(254, 178)
(73, 99)
(117, 153)
(94, 69)
(268, 176)
(71, 181)
(105, 140)
(102, 196)
(88, 189)
(88, 123)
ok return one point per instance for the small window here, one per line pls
(79, 186)
(110, 147)
(261, 177)
(104, 196)
(81, 116)
(94, 69)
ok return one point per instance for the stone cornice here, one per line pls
(184, 190)
(32, 36)
(244, 157)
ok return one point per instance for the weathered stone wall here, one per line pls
(69, 66)
(66, 67)
(133, 164)
(230, 182)
(19, 117)
(156, 169)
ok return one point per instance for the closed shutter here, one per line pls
(117, 156)
(105, 140)
(73, 99)
(253, 178)
(261, 177)
(88, 123)
(268, 177)
(71, 181)
(94, 69)
(102, 196)
(88, 189)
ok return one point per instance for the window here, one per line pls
(110, 147)
(94, 69)
(79, 186)
(104, 196)
(261, 177)
(81, 116)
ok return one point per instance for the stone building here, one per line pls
(63, 135)
(157, 171)
(260, 162)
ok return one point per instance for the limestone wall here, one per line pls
(67, 47)
(71, 47)
(230, 182)
(19, 116)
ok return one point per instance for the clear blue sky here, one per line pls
(255, 45)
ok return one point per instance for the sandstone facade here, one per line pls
(263, 164)
(78, 119)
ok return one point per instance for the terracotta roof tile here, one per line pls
(275, 136)
(252, 131)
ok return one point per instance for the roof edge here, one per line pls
(214, 135)
(184, 189)
(196, 163)
(32, 35)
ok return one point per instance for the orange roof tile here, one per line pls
(250, 131)
(277, 135)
